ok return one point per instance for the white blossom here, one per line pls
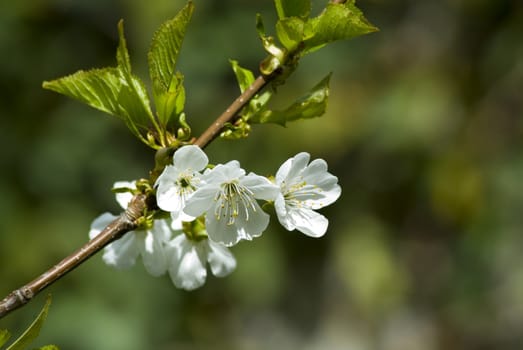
(304, 188)
(228, 197)
(149, 244)
(178, 182)
(188, 260)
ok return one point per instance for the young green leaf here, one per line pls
(32, 332)
(244, 76)
(165, 47)
(276, 54)
(268, 41)
(115, 91)
(48, 347)
(293, 8)
(99, 88)
(4, 336)
(311, 105)
(290, 32)
(337, 22)
(104, 90)
(171, 102)
(136, 88)
(122, 55)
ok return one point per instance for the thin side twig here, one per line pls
(231, 113)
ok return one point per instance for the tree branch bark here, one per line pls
(124, 223)
(232, 111)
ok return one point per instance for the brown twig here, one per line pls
(232, 111)
(124, 223)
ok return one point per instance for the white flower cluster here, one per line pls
(225, 198)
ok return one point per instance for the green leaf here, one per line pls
(122, 55)
(290, 32)
(99, 88)
(165, 47)
(293, 8)
(134, 89)
(337, 22)
(49, 347)
(4, 336)
(105, 90)
(32, 332)
(244, 76)
(115, 91)
(171, 102)
(268, 41)
(311, 105)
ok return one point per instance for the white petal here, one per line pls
(153, 254)
(318, 166)
(281, 212)
(322, 186)
(317, 174)
(299, 162)
(190, 157)
(167, 193)
(224, 173)
(253, 225)
(261, 187)
(125, 197)
(168, 199)
(174, 246)
(168, 176)
(176, 225)
(179, 216)
(327, 197)
(122, 253)
(162, 230)
(309, 222)
(187, 268)
(221, 231)
(283, 171)
(220, 259)
(201, 200)
(100, 223)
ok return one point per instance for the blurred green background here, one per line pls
(424, 130)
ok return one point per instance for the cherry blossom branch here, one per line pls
(126, 222)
